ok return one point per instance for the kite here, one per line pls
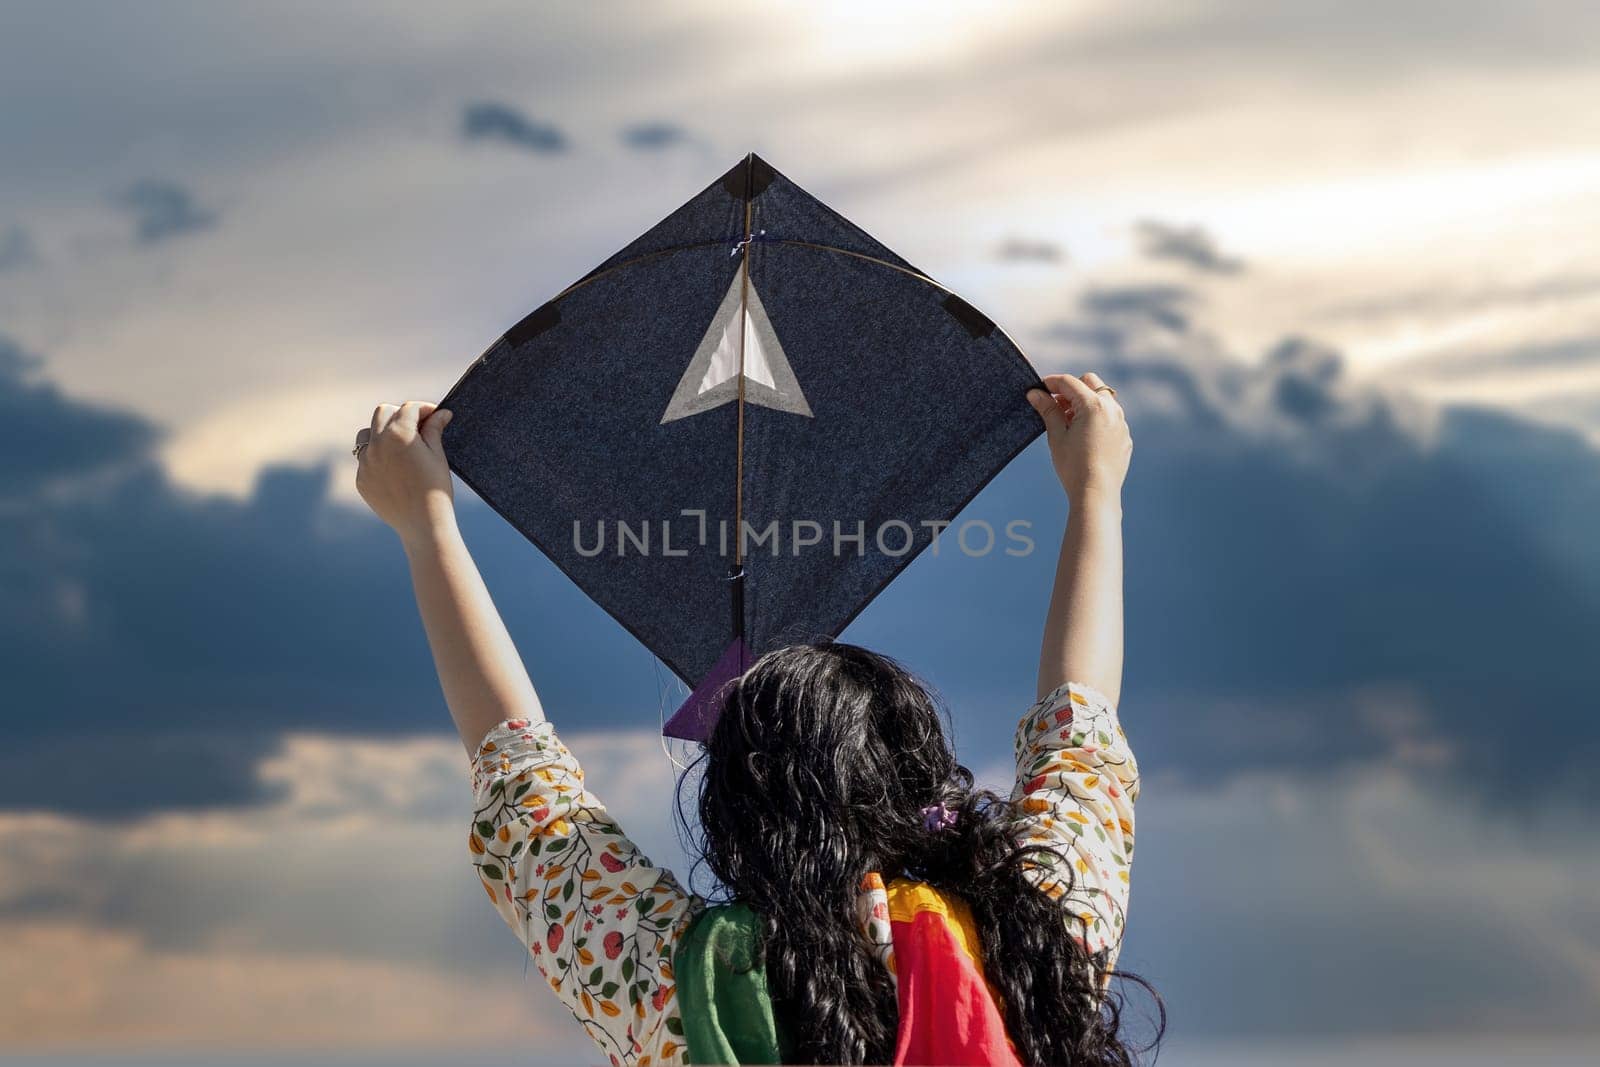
(736, 431)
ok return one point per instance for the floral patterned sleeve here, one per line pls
(598, 918)
(1076, 784)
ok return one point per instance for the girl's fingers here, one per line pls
(433, 427)
(1049, 409)
(406, 417)
(1062, 396)
(1108, 401)
(364, 436)
(1082, 396)
(381, 416)
(412, 412)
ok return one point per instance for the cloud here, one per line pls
(1448, 301)
(1191, 246)
(1306, 378)
(161, 210)
(492, 121)
(1363, 903)
(86, 987)
(1570, 352)
(1316, 560)
(50, 438)
(1026, 250)
(215, 625)
(1295, 397)
(1259, 899)
(17, 249)
(1323, 40)
(1527, 343)
(655, 136)
(341, 912)
(15, 361)
(1166, 306)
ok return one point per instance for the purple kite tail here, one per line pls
(696, 718)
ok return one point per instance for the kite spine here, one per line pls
(736, 576)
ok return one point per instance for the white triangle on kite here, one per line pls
(712, 377)
(725, 360)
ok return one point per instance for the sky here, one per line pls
(1338, 259)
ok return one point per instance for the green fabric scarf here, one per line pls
(722, 990)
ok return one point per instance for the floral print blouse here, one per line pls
(601, 921)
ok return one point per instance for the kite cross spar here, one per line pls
(771, 467)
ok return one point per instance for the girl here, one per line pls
(875, 906)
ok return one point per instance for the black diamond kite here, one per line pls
(736, 431)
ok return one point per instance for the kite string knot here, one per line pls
(743, 244)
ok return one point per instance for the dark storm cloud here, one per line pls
(488, 120)
(15, 361)
(1305, 375)
(156, 642)
(1317, 575)
(1315, 571)
(1190, 245)
(1309, 587)
(126, 772)
(655, 136)
(48, 438)
(17, 249)
(161, 210)
(1029, 250)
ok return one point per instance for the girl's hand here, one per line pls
(401, 472)
(1089, 441)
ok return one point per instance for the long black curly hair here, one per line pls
(817, 773)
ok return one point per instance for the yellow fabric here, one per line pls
(908, 899)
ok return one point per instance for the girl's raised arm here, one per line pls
(1090, 447)
(403, 477)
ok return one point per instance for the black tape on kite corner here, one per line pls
(976, 322)
(535, 323)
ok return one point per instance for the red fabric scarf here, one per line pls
(948, 1012)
